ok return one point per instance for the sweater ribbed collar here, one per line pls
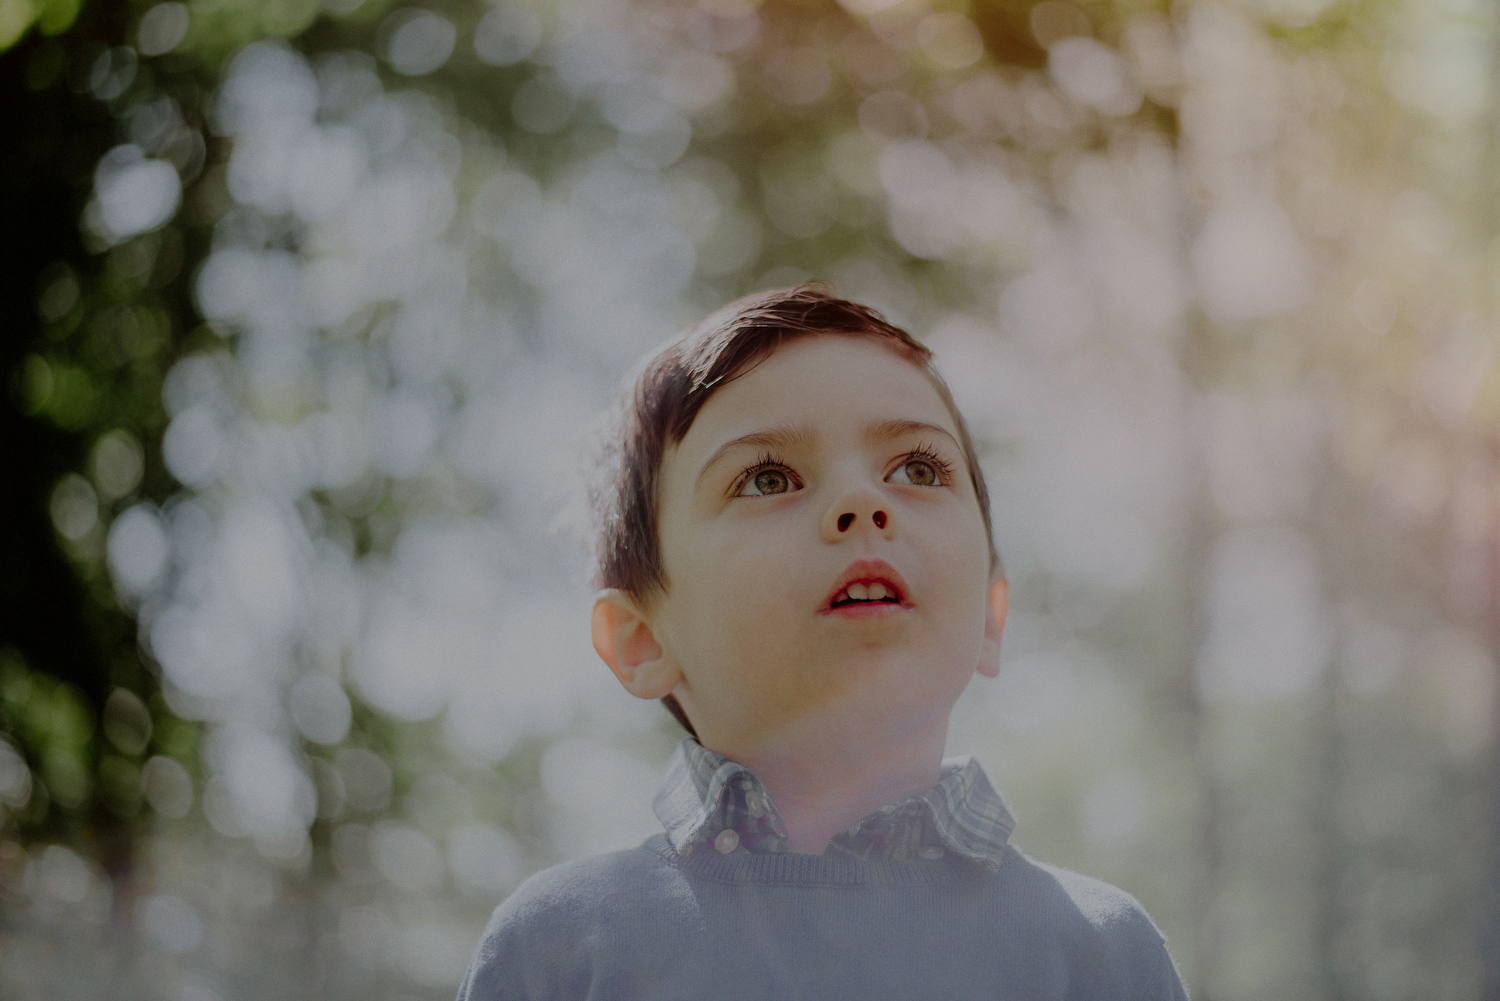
(710, 802)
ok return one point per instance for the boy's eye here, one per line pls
(919, 472)
(767, 481)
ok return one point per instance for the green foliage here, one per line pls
(85, 765)
(51, 17)
(55, 729)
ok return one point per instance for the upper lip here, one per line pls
(868, 572)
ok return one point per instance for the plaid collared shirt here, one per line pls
(709, 801)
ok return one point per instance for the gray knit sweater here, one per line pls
(652, 923)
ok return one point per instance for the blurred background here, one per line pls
(313, 309)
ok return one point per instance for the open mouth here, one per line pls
(866, 593)
(867, 585)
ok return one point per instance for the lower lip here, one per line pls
(867, 610)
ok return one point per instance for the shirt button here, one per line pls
(727, 841)
(930, 852)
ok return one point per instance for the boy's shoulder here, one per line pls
(592, 885)
(544, 940)
(1098, 902)
(1098, 932)
(1100, 905)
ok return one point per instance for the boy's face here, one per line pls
(833, 462)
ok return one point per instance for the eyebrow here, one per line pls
(781, 436)
(888, 430)
(786, 436)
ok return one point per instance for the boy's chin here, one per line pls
(883, 680)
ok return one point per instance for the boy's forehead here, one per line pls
(812, 381)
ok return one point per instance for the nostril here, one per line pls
(879, 519)
(845, 520)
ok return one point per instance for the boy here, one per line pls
(797, 559)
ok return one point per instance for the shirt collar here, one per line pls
(707, 799)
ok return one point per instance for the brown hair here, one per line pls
(674, 384)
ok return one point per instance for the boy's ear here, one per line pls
(994, 625)
(624, 641)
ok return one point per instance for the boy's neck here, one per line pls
(822, 781)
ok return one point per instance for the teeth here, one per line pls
(865, 592)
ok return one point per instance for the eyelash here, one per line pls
(766, 461)
(922, 453)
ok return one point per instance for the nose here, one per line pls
(854, 509)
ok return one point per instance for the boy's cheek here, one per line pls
(738, 578)
(721, 622)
